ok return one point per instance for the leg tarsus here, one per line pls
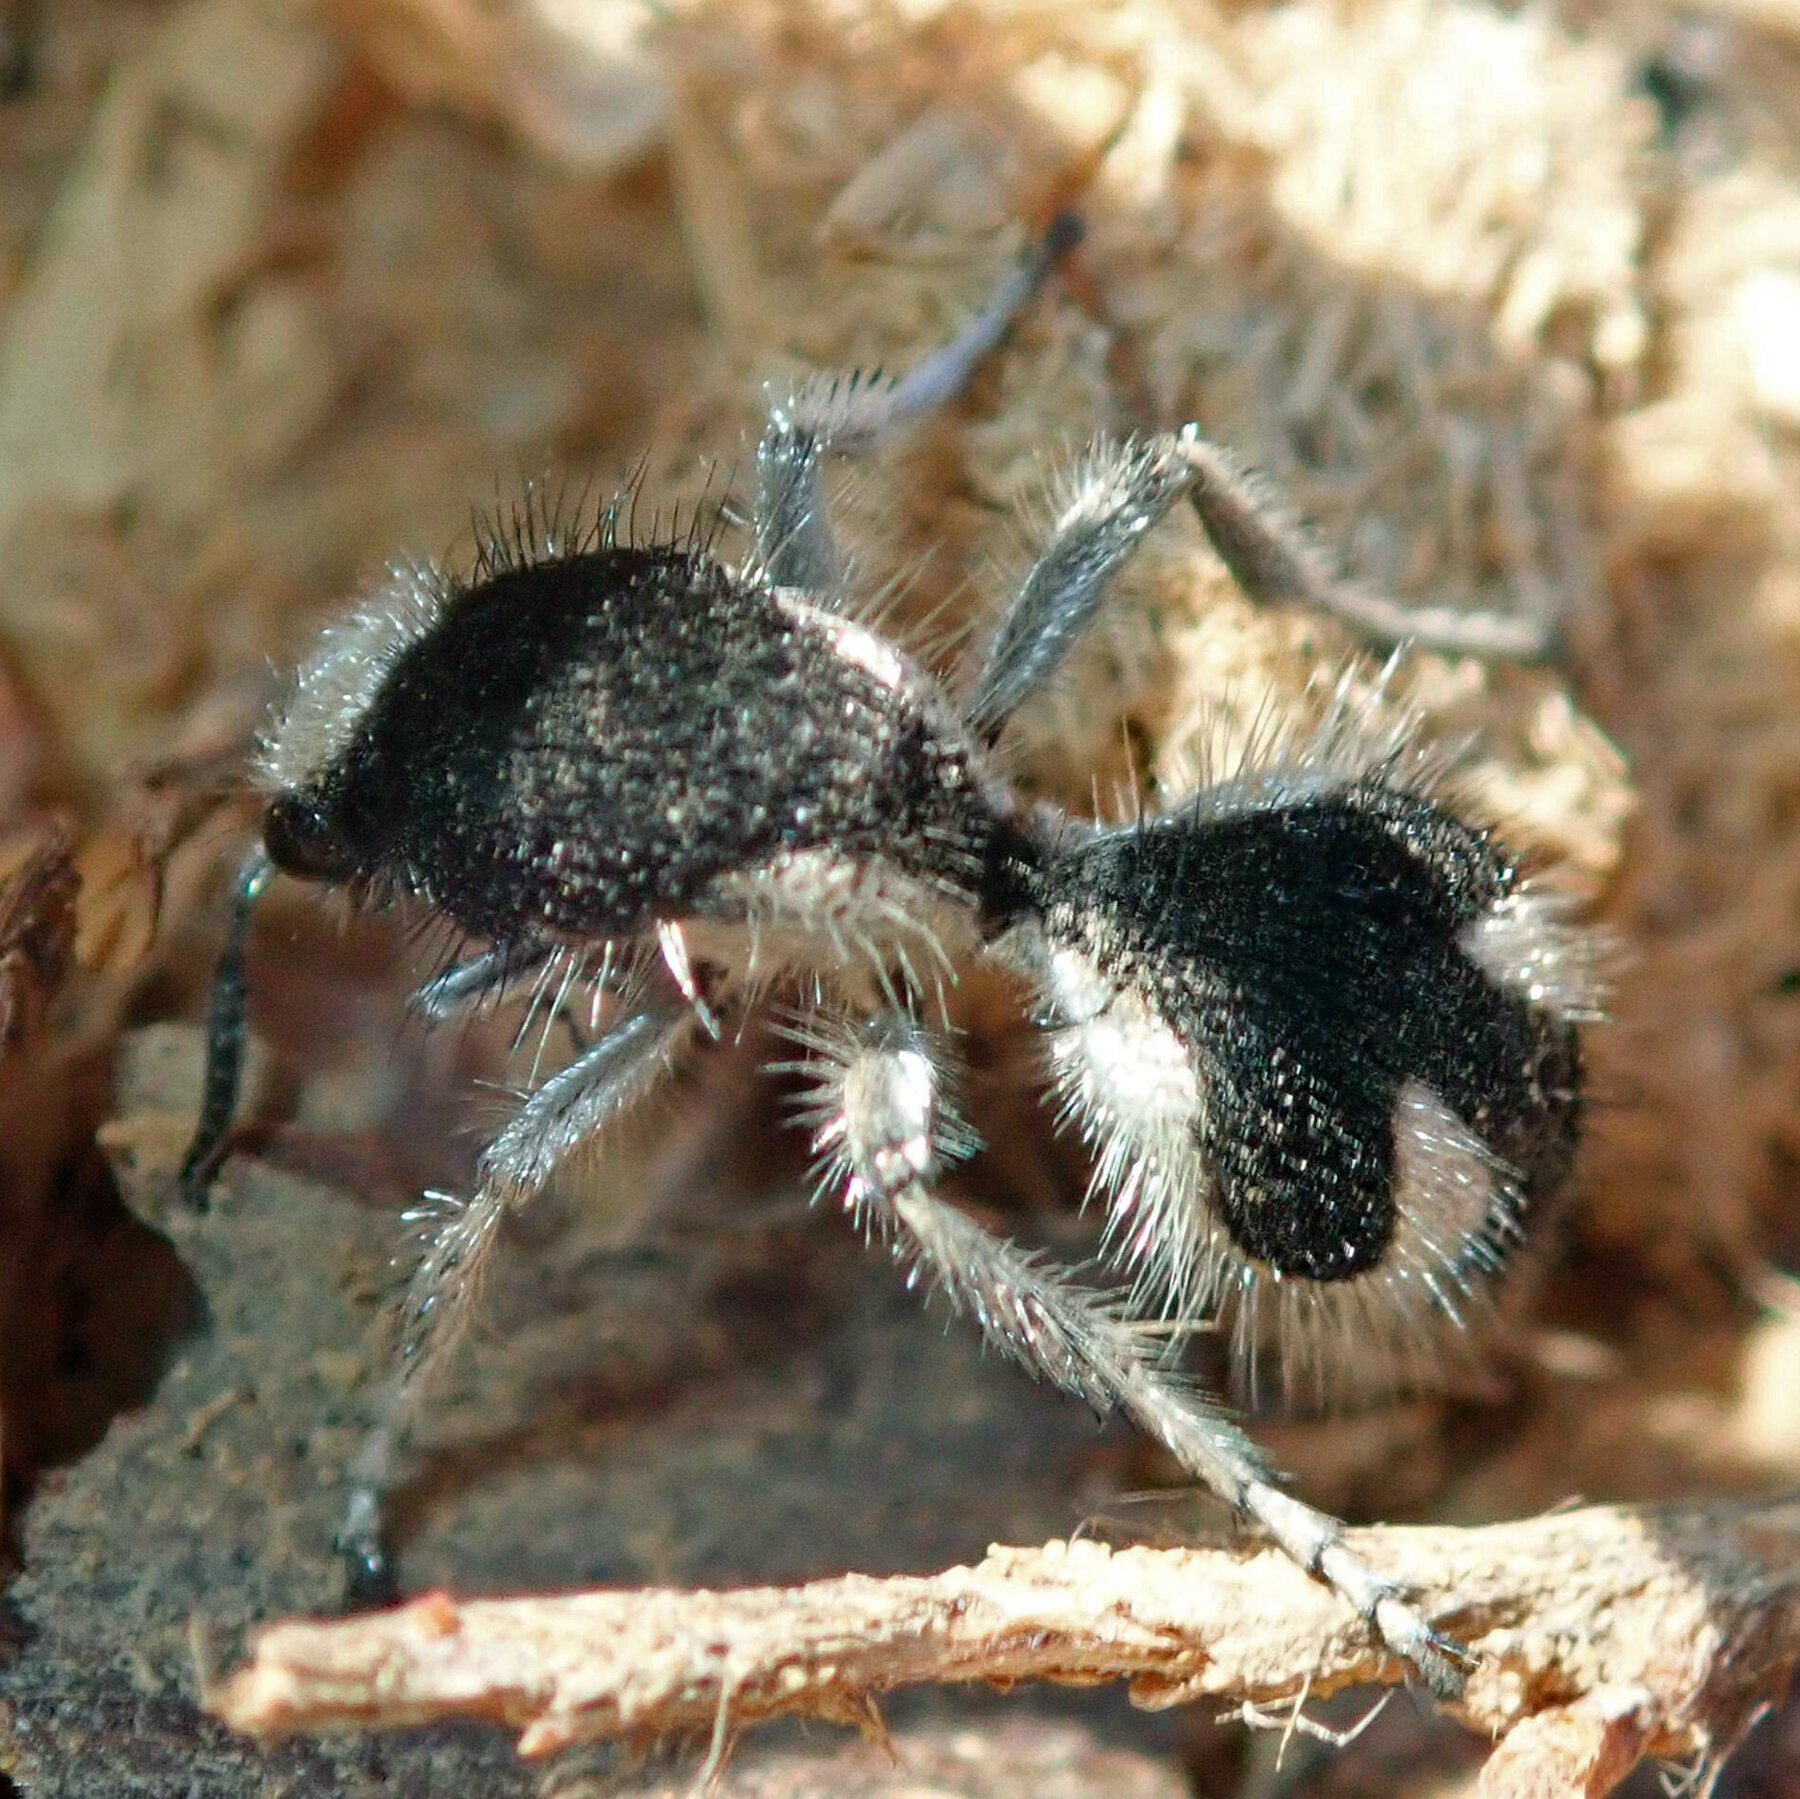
(371, 1581)
(1316, 1541)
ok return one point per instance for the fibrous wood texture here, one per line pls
(1597, 1637)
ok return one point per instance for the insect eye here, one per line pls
(302, 841)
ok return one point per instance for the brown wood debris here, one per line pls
(1598, 1636)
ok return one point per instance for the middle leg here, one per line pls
(851, 412)
(434, 1314)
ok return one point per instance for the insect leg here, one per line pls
(850, 412)
(1271, 559)
(1119, 490)
(884, 1129)
(569, 1108)
(1105, 504)
(480, 977)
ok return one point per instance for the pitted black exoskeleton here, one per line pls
(1321, 1032)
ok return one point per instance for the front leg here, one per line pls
(885, 1131)
(481, 978)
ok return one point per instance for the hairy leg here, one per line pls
(483, 976)
(1273, 561)
(1118, 490)
(1104, 504)
(851, 412)
(568, 1109)
(885, 1130)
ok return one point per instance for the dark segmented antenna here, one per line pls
(224, 1040)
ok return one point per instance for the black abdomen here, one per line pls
(1313, 955)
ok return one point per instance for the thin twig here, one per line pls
(1600, 1636)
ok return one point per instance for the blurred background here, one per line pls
(1507, 301)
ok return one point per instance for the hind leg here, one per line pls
(1119, 490)
(1274, 562)
(885, 1131)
